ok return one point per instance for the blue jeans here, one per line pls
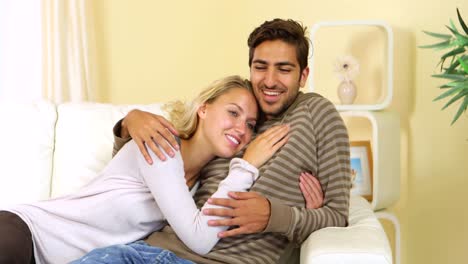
(134, 253)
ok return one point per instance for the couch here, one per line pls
(50, 150)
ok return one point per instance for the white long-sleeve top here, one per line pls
(126, 202)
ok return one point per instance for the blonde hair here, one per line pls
(184, 115)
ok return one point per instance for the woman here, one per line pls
(130, 199)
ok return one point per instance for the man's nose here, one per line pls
(270, 79)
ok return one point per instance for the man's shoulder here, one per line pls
(314, 102)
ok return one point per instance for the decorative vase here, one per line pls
(347, 92)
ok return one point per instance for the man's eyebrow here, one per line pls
(259, 61)
(279, 64)
(285, 63)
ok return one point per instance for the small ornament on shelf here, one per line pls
(346, 69)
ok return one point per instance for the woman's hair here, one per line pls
(184, 115)
(289, 31)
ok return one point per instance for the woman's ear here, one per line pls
(202, 111)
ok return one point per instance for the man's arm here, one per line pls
(251, 212)
(333, 170)
(145, 127)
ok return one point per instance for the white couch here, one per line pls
(49, 150)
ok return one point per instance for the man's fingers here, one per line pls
(156, 150)
(223, 202)
(155, 139)
(144, 151)
(243, 195)
(222, 222)
(233, 232)
(168, 125)
(219, 212)
(171, 139)
(159, 140)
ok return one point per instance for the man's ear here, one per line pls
(304, 75)
(202, 111)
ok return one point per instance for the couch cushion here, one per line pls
(26, 151)
(84, 140)
(363, 241)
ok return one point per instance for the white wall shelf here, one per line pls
(385, 142)
(387, 85)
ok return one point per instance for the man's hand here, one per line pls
(312, 190)
(154, 130)
(249, 211)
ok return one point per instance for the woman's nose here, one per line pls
(241, 127)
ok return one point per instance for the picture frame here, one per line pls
(361, 168)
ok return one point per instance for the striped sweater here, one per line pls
(318, 144)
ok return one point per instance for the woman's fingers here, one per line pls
(274, 134)
(311, 190)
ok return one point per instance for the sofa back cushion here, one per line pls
(84, 140)
(26, 151)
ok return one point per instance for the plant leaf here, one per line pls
(455, 77)
(448, 93)
(461, 109)
(453, 27)
(453, 52)
(458, 84)
(441, 45)
(455, 98)
(463, 64)
(462, 23)
(437, 35)
(453, 66)
(460, 40)
(445, 86)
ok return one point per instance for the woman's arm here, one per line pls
(167, 184)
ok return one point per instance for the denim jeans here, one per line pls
(134, 253)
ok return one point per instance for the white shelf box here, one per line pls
(371, 43)
(383, 131)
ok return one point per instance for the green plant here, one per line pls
(456, 73)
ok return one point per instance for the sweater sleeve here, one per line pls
(167, 184)
(333, 171)
(119, 142)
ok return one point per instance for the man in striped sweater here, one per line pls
(271, 218)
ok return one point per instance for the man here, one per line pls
(272, 215)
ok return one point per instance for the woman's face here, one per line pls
(228, 123)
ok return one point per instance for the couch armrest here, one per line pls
(363, 241)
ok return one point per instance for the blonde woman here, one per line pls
(130, 198)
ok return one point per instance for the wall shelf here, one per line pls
(385, 142)
(385, 90)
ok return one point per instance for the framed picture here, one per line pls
(361, 168)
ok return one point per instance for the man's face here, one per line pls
(276, 76)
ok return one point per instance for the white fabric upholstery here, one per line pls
(50, 150)
(27, 134)
(363, 241)
(83, 142)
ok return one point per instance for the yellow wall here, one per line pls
(151, 51)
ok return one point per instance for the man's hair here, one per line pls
(184, 115)
(289, 31)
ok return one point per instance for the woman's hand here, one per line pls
(266, 144)
(153, 129)
(312, 190)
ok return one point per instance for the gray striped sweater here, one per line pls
(318, 144)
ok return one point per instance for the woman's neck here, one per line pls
(195, 157)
